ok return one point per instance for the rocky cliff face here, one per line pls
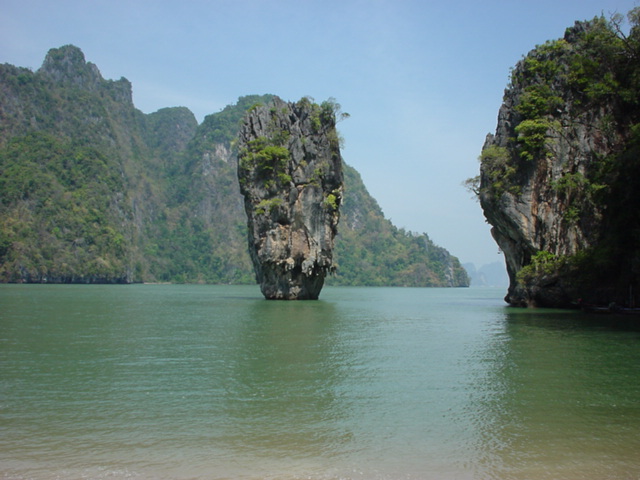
(551, 176)
(290, 174)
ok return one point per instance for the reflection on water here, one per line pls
(286, 373)
(182, 382)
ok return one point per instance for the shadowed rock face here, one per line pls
(528, 214)
(290, 173)
(557, 178)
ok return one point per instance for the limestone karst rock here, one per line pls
(558, 179)
(67, 66)
(290, 173)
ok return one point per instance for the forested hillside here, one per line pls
(94, 191)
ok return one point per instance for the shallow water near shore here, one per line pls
(214, 382)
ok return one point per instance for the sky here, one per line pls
(422, 80)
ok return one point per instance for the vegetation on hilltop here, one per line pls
(93, 190)
(371, 251)
(568, 145)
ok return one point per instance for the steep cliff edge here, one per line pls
(290, 174)
(559, 179)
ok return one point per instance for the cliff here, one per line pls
(559, 178)
(67, 138)
(290, 173)
(92, 190)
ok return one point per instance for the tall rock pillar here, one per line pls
(290, 173)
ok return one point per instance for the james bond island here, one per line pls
(290, 173)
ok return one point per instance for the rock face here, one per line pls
(552, 175)
(290, 173)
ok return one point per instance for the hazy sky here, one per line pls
(422, 80)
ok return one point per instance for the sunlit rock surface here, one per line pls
(290, 173)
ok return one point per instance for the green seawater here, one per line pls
(214, 382)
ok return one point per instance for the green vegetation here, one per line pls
(542, 265)
(268, 161)
(268, 205)
(533, 136)
(371, 251)
(331, 201)
(324, 116)
(574, 117)
(579, 194)
(498, 169)
(59, 213)
(538, 100)
(92, 190)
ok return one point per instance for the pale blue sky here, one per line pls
(422, 80)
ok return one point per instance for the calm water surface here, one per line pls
(213, 382)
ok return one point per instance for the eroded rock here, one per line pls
(290, 173)
(557, 177)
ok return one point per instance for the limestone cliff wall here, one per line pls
(550, 171)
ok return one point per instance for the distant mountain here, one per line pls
(490, 275)
(94, 191)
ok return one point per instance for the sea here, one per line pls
(215, 382)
